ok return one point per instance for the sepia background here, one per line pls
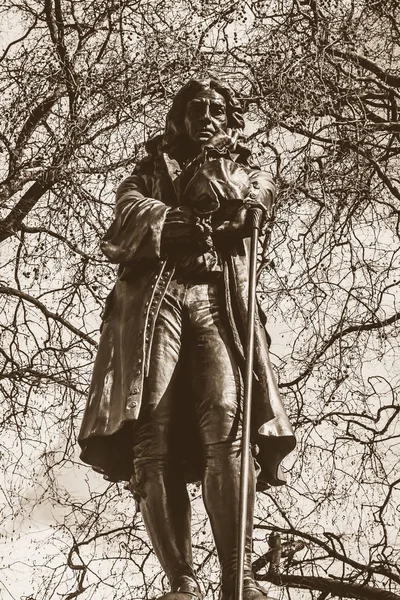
(83, 84)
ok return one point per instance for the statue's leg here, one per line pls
(221, 488)
(165, 509)
(158, 483)
(218, 389)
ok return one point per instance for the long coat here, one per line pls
(122, 362)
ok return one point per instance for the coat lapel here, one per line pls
(166, 179)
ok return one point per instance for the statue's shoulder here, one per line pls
(243, 155)
(250, 163)
(145, 166)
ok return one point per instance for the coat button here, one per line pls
(131, 405)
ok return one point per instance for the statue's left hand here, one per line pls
(241, 222)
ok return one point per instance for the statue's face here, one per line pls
(205, 115)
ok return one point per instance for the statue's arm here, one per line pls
(138, 222)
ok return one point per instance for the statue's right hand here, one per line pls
(179, 224)
(183, 228)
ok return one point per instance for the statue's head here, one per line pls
(199, 110)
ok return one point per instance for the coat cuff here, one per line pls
(135, 232)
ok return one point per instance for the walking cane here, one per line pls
(256, 217)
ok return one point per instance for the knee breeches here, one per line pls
(191, 325)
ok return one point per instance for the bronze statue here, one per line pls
(164, 407)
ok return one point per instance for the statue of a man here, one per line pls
(164, 407)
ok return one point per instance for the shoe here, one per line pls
(185, 588)
(251, 591)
